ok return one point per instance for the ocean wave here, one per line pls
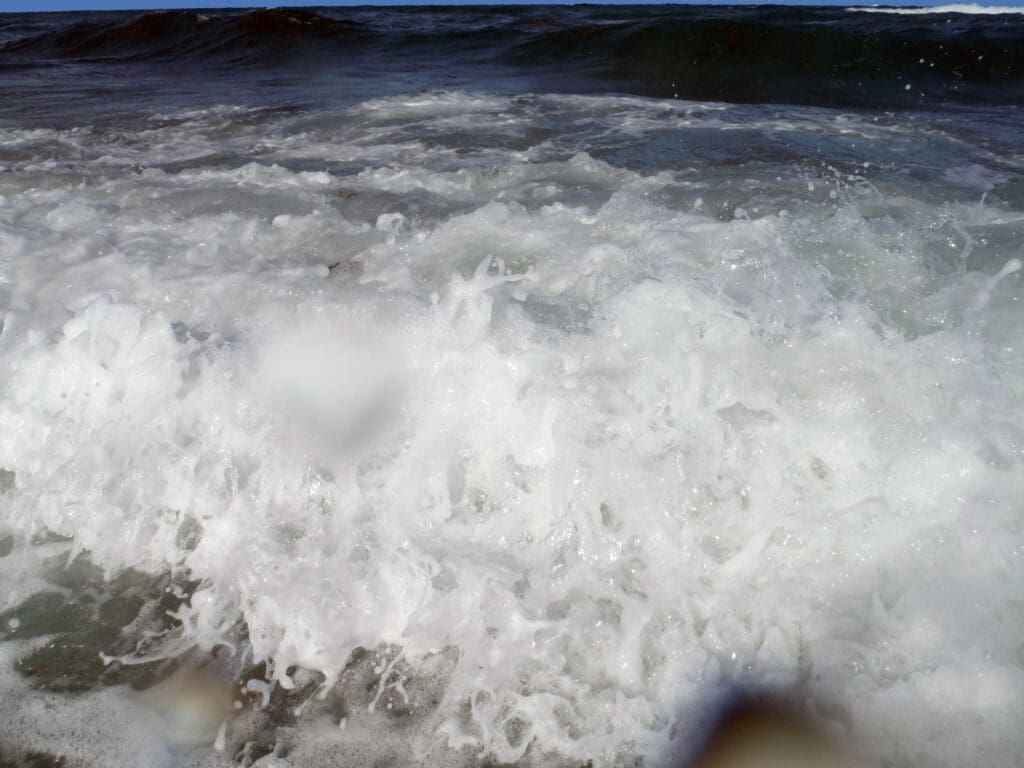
(825, 57)
(182, 34)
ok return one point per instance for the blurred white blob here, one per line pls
(337, 376)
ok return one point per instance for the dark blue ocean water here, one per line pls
(798, 56)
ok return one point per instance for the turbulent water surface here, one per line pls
(492, 385)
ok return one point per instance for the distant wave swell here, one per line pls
(179, 34)
(816, 56)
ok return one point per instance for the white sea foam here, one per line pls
(971, 8)
(616, 439)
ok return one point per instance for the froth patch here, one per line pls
(572, 451)
(967, 8)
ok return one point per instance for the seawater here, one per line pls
(498, 420)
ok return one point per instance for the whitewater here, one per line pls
(494, 426)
